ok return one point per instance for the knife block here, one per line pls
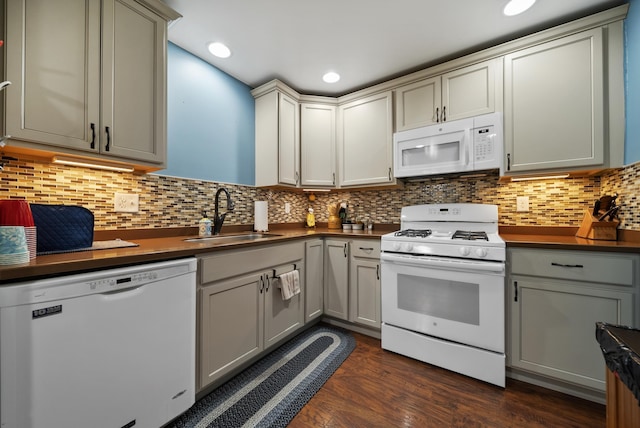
(591, 228)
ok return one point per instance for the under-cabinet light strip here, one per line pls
(542, 177)
(91, 164)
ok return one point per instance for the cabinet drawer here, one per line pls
(365, 248)
(227, 264)
(605, 268)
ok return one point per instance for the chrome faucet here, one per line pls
(219, 219)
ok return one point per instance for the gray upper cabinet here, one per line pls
(365, 141)
(277, 135)
(464, 92)
(318, 144)
(556, 94)
(89, 78)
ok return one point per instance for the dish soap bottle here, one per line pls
(311, 218)
(204, 225)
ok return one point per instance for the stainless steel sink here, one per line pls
(232, 238)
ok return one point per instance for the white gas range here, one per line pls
(443, 289)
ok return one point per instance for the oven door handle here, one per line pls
(443, 263)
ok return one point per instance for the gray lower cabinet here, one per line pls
(555, 299)
(314, 279)
(241, 312)
(364, 283)
(336, 278)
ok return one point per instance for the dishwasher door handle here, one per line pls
(123, 293)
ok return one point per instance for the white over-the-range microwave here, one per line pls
(465, 145)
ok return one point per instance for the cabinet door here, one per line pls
(469, 91)
(231, 325)
(553, 325)
(53, 62)
(288, 140)
(365, 141)
(554, 109)
(364, 290)
(417, 104)
(133, 82)
(336, 278)
(314, 277)
(318, 145)
(281, 317)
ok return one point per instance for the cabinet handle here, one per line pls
(389, 173)
(378, 272)
(567, 266)
(444, 113)
(508, 161)
(437, 114)
(515, 291)
(268, 281)
(345, 250)
(93, 135)
(106, 148)
(334, 178)
(261, 284)
(366, 248)
(297, 177)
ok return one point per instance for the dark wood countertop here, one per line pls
(563, 238)
(165, 244)
(156, 245)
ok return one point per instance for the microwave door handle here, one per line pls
(466, 155)
(467, 148)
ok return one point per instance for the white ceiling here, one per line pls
(366, 41)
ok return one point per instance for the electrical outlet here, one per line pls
(522, 204)
(126, 202)
(287, 208)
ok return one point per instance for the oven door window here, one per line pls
(441, 298)
(464, 307)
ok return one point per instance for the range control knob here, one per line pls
(408, 247)
(397, 246)
(465, 251)
(481, 252)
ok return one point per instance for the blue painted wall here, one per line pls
(632, 83)
(211, 122)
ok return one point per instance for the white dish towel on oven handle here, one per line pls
(290, 284)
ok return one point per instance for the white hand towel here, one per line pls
(290, 284)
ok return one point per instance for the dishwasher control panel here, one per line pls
(111, 283)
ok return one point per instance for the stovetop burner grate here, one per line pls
(470, 236)
(414, 233)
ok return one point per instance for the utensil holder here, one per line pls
(591, 228)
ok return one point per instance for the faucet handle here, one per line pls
(231, 205)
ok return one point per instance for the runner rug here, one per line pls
(273, 390)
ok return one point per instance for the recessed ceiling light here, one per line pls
(219, 49)
(331, 77)
(515, 7)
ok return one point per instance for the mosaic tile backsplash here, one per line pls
(169, 201)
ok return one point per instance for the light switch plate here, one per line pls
(126, 203)
(287, 208)
(522, 203)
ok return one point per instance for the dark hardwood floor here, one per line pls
(378, 388)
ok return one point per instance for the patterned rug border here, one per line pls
(243, 397)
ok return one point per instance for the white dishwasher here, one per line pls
(112, 348)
